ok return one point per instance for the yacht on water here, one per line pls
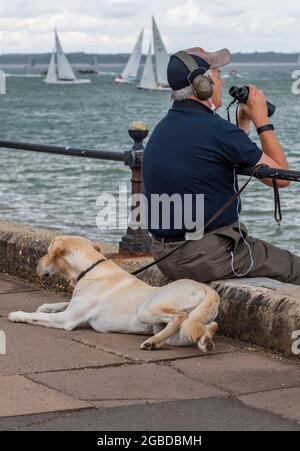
(130, 71)
(93, 70)
(154, 75)
(60, 71)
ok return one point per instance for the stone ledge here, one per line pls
(21, 246)
(261, 311)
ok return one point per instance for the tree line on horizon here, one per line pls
(121, 58)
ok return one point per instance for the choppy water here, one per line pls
(60, 192)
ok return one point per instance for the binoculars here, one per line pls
(242, 94)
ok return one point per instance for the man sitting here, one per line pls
(194, 151)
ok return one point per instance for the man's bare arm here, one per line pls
(273, 154)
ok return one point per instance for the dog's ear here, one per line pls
(57, 249)
(96, 246)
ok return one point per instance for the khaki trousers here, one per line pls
(210, 258)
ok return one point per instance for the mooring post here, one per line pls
(136, 241)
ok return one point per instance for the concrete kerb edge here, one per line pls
(257, 315)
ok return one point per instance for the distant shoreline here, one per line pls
(120, 65)
(86, 59)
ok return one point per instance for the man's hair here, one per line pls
(186, 93)
(183, 94)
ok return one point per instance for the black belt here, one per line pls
(169, 239)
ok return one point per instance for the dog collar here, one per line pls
(90, 269)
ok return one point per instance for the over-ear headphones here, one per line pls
(202, 84)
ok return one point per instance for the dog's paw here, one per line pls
(148, 346)
(205, 344)
(16, 317)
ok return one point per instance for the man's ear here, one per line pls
(96, 246)
(57, 249)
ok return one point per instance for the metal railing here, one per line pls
(135, 241)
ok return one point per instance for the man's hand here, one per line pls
(256, 107)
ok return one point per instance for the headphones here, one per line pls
(202, 84)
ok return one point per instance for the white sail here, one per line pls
(148, 80)
(131, 69)
(60, 71)
(95, 63)
(161, 56)
(64, 69)
(51, 74)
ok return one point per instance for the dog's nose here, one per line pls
(46, 274)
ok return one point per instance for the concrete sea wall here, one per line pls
(260, 311)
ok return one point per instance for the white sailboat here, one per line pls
(148, 80)
(130, 71)
(154, 78)
(60, 70)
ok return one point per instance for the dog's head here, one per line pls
(68, 256)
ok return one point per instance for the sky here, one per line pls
(112, 26)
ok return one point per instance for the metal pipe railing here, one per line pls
(273, 173)
(60, 150)
(136, 241)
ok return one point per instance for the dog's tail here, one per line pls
(193, 328)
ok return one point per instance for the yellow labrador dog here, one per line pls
(109, 299)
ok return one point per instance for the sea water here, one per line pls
(59, 192)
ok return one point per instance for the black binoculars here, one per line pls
(242, 94)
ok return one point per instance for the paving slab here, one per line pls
(241, 372)
(285, 402)
(138, 382)
(31, 349)
(28, 301)
(19, 396)
(129, 345)
(8, 285)
(209, 414)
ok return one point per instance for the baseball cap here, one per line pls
(178, 73)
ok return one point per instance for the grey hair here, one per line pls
(183, 94)
(187, 92)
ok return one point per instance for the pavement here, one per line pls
(82, 380)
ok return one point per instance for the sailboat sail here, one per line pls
(148, 80)
(51, 74)
(95, 63)
(131, 69)
(64, 69)
(161, 56)
(60, 70)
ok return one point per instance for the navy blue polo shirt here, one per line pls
(194, 151)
